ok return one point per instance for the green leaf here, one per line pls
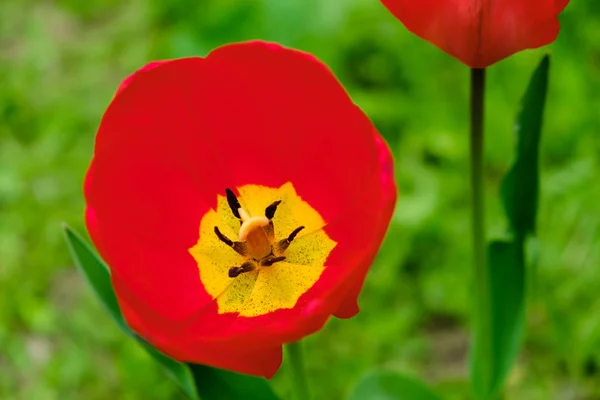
(388, 385)
(506, 259)
(177, 371)
(506, 264)
(96, 273)
(519, 188)
(214, 383)
(210, 383)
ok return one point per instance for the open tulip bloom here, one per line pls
(239, 200)
(481, 32)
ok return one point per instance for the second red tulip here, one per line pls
(481, 32)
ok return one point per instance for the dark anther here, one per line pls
(233, 202)
(234, 271)
(270, 211)
(294, 233)
(283, 244)
(223, 238)
(267, 262)
(240, 247)
(246, 267)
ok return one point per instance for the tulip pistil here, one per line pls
(256, 238)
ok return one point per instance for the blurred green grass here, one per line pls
(60, 62)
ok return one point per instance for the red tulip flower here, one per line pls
(477, 32)
(239, 200)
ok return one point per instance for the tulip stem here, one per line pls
(299, 379)
(483, 323)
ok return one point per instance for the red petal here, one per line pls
(561, 4)
(280, 116)
(264, 362)
(147, 67)
(382, 211)
(480, 33)
(148, 193)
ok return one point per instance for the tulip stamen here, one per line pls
(256, 237)
(270, 260)
(283, 244)
(269, 214)
(245, 267)
(240, 247)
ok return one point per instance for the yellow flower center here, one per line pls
(261, 253)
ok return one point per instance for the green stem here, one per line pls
(299, 379)
(483, 328)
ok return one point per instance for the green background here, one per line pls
(60, 63)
